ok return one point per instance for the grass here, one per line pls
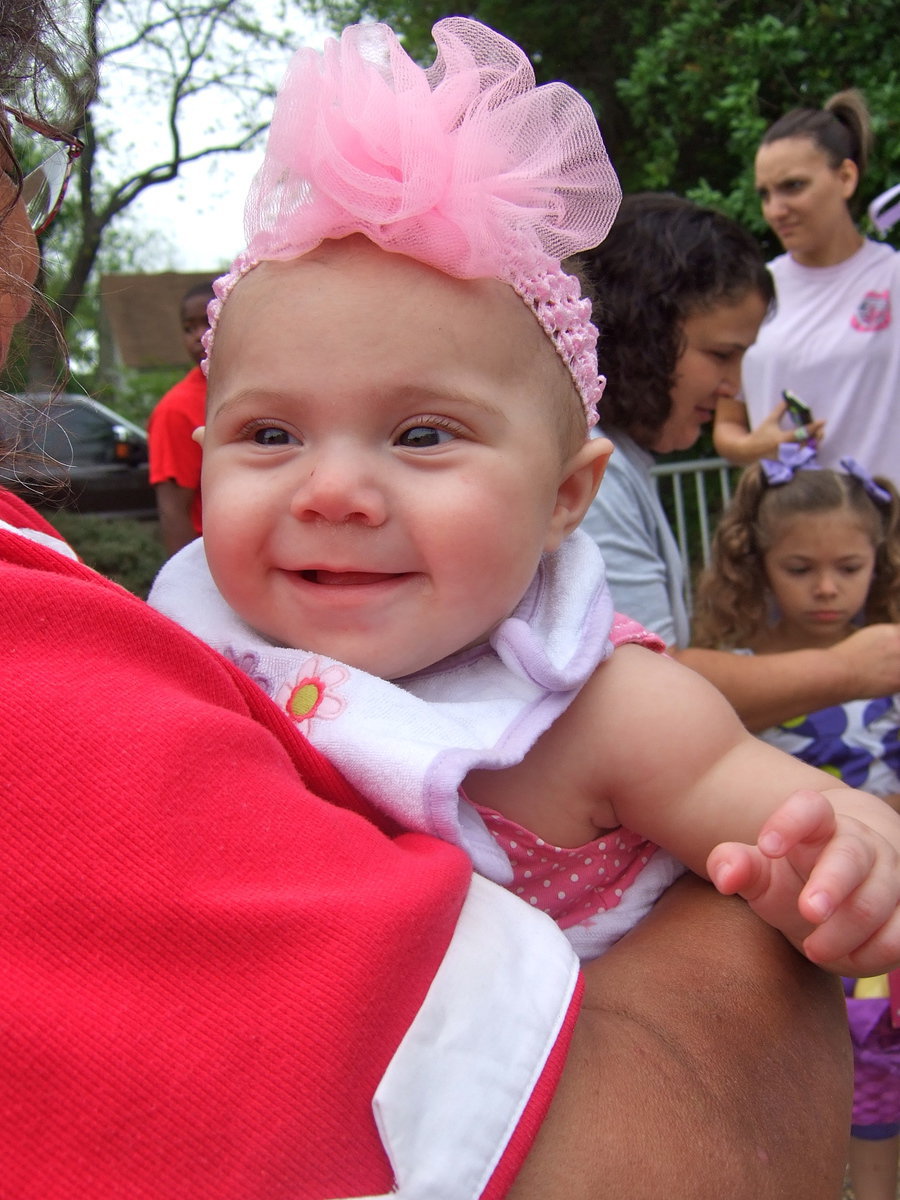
(129, 552)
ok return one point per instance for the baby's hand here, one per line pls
(827, 880)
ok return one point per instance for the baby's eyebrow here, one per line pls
(248, 396)
(423, 396)
(416, 397)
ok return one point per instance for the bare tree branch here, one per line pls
(173, 60)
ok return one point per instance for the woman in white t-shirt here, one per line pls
(832, 339)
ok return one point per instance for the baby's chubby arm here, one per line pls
(817, 860)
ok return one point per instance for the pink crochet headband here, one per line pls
(466, 166)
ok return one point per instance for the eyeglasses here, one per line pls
(44, 187)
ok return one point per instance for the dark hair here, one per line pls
(664, 260)
(731, 606)
(28, 30)
(23, 26)
(35, 57)
(841, 128)
(198, 289)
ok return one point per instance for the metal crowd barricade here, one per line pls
(694, 493)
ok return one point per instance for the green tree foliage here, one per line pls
(701, 92)
(683, 89)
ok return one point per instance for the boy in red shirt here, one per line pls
(174, 455)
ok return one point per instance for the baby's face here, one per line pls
(381, 468)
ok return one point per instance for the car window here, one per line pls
(78, 435)
(67, 434)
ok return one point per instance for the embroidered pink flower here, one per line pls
(313, 694)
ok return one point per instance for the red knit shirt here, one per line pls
(173, 452)
(211, 947)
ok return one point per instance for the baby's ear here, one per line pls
(578, 487)
(199, 434)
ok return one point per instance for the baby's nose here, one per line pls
(338, 488)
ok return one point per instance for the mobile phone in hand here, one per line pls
(799, 412)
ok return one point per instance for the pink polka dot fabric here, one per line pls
(570, 885)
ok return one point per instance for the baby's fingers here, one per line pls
(862, 936)
(845, 875)
(735, 867)
(805, 818)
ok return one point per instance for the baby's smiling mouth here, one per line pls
(346, 578)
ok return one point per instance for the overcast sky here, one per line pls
(198, 217)
(200, 214)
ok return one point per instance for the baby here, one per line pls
(396, 459)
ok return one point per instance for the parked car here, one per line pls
(73, 452)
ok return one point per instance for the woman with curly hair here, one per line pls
(800, 558)
(681, 293)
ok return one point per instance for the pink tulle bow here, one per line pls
(466, 166)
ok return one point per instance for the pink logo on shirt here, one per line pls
(873, 313)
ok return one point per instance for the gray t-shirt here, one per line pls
(643, 565)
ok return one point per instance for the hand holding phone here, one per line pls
(800, 413)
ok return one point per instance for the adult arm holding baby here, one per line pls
(713, 1124)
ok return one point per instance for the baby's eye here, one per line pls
(422, 437)
(272, 435)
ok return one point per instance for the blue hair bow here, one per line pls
(794, 457)
(872, 489)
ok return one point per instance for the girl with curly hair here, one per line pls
(802, 557)
(765, 548)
